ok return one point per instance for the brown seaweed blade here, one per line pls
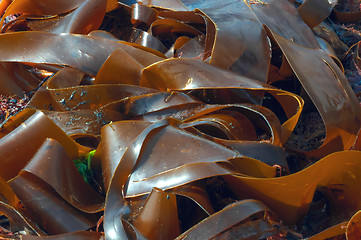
(122, 68)
(192, 158)
(194, 162)
(114, 145)
(95, 96)
(353, 230)
(156, 106)
(302, 192)
(85, 53)
(158, 218)
(51, 212)
(116, 206)
(176, 155)
(56, 191)
(78, 21)
(187, 156)
(71, 187)
(251, 112)
(201, 115)
(20, 220)
(289, 196)
(331, 232)
(23, 135)
(42, 7)
(323, 80)
(16, 79)
(239, 42)
(352, 13)
(297, 32)
(225, 219)
(45, 7)
(83, 122)
(337, 105)
(314, 12)
(62, 175)
(190, 74)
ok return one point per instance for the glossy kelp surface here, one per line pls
(172, 120)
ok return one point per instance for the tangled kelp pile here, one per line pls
(177, 119)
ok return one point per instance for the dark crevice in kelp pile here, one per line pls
(180, 119)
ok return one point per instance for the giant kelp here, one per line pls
(181, 113)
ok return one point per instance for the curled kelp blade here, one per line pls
(22, 136)
(244, 119)
(329, 233)
(84, 121)
(189, 17)
(223, 220)
(62, 175)
(172, 29)
(168, 103)
(7, 194)
(238, 43)
(45, 7)
(116, 206)
(50, 211)
(103, 34)
(142, 14)
(115, 139)
(82, 52)
(349, 229)
(197, 192)
(190, 74)
(164, 214)
(204, 169)
(80, 21)
(180, 166)
(338, 99)
(40, 7)
(190, 155)
(314, 12)
(350, 15)
(261, 118)
(65, 77)
(84, 97)
(289, 196)
(266, 152)
(145, 39)
(16, 79)
(194, 151)
(213, 122)
(325, 46)
(158, 218)
(35, 125)
(120, 67)
(20, 220)
(294, 29)
(353, 230)
(75, 21)
(231, 124)
(94, 96)
(325, 32)
(172, 26)
(184, 47)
